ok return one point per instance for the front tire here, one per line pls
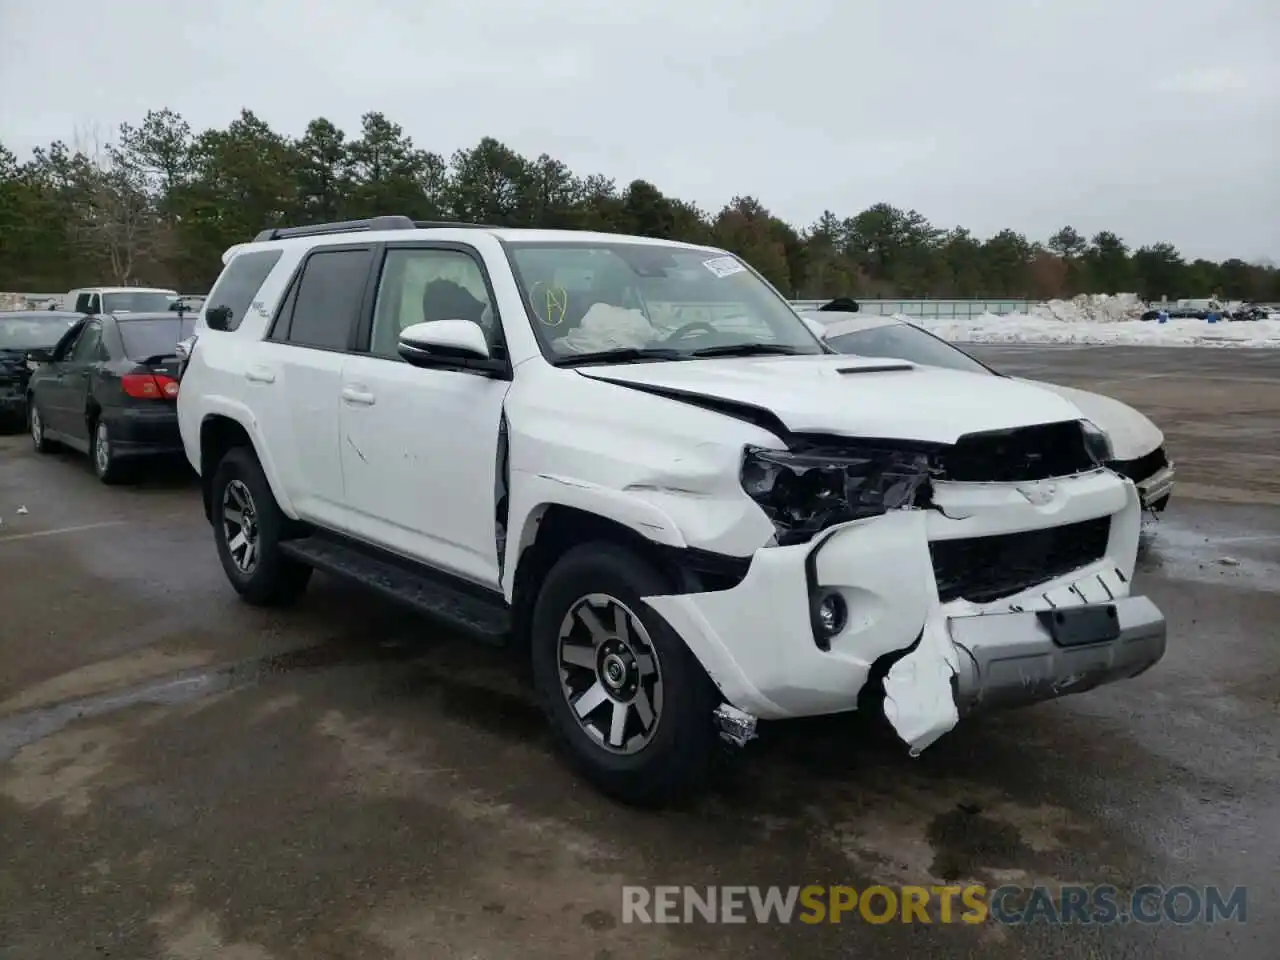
(628, 703)
(248, 526)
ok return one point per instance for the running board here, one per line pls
(473, 610)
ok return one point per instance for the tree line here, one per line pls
(160, 203)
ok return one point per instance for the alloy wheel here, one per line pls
(240, 526)
(102, 449)
(609, 673)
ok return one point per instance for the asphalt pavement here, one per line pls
(182, 776)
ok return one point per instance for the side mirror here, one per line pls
(453, 344)
(41, 355)
(218, 318)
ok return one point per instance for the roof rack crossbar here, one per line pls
(447, 224)
(394, 222)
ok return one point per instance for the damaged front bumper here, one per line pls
(765, 647)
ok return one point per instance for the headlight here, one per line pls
(1097, 443)
(805, 492)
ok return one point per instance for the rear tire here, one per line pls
(646, 735)
(35, 426)
(248, 526)
(107, 467)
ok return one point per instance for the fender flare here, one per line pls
(237, 412)
(532, 494)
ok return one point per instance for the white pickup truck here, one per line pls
(631, 461)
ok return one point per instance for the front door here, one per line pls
(419, 446)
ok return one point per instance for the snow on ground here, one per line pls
(1022, 328)
(1102, 319)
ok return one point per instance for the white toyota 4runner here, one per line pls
(633, 462)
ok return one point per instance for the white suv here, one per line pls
(633, 462)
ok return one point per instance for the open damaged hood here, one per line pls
(853, 396)
(1132, 433)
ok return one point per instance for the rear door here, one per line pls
(75, 377)
(298, 371)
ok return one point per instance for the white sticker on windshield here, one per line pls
(724, 266)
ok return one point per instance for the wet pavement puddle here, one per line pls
(1228, 556)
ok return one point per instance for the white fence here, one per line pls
(940, 309)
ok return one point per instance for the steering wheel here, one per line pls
(682, 333)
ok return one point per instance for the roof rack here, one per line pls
(394, 222)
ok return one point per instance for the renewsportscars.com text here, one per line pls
(972, 904)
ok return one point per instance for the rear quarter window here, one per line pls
(239, 283)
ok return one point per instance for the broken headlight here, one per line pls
(1097, 443)
(807, 491)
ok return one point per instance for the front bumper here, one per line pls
(758, 642)
(1012, 660)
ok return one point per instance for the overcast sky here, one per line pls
(1159, 119)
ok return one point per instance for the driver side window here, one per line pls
(426, 285)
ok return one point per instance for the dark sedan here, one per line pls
(20, 332)
(109, 388)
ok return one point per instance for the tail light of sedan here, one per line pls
(149, 386)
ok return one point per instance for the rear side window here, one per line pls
(330, 292)
(240, 283)
(154, 338)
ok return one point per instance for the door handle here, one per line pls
(363, 397)
(260, 375)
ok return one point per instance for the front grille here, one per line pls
(982, 569)
(1143, 467)
(1019, 455)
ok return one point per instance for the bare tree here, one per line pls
(116, 224)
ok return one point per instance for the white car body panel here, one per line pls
(816, 394)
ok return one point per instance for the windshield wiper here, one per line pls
(746, 350)
(621, 355)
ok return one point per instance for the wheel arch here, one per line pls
(219, 433)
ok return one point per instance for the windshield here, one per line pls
(154, 338)
(673, 302)
(35, 333)
(902, 341)
(139, 301)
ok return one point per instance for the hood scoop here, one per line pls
(877, 367)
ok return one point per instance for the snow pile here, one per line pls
(1094, 308)
(1024, 328)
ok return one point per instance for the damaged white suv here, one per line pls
(632, 461)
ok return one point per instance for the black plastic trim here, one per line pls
(411, 565)
(820, 639)
(705, 571)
